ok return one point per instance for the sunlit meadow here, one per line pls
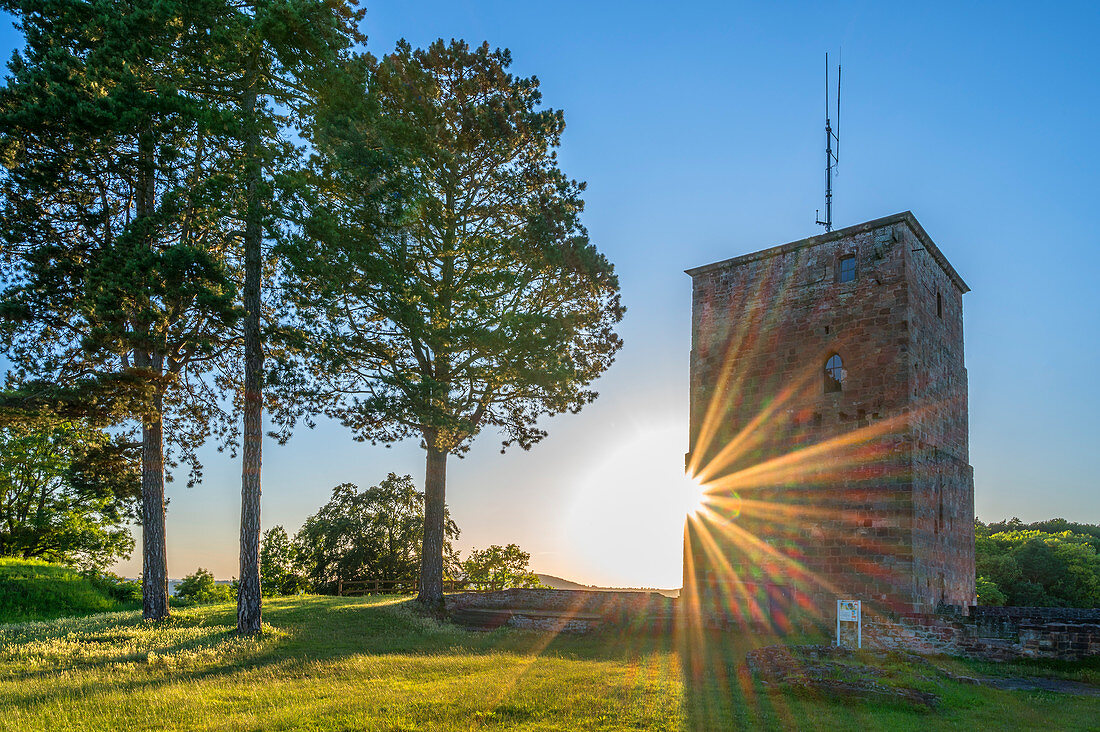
(376, 664)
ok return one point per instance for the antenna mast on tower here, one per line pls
(831, 157)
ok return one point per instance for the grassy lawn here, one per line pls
(373, 663)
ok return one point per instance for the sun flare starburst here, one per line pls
(693, 493)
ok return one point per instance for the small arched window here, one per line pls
(846, 271)
(834, 374)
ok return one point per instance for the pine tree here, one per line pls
(444, 277)
(116, 230)
(286, 51)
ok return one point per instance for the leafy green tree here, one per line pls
(116, 190)
(988, 592)
(279, 574)
(367, 535)
(1036, 568)
(66, 493)
(1050, 526)
(444, 272)
(498, 568)
(202, 587)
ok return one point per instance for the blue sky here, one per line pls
(698, 129)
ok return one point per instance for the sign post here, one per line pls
(849, 611)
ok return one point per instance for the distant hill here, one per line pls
(557, 583)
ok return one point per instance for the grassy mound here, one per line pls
(31, 589)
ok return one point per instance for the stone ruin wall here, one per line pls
(619, 604)
(992, 633)
(571, 611)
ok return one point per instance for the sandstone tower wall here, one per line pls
(863, 490)
(943, 483)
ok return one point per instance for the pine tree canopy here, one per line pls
(444, 273)
(117, 203)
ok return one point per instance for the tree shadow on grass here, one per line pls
(202, 641)
(306, 638)
(719, 690)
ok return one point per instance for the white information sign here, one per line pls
(849, 611)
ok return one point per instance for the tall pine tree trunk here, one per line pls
(154, 552)
(431, 555)
(154, 547)
(249, 610)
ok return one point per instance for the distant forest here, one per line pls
(1053, 563)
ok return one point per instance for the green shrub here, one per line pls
(988, 592)
(201, 587)
(31, 589)
(119, 588)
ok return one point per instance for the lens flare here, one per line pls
(694, 495)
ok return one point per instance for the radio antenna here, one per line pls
(832, 157)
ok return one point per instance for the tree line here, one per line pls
(220, 212)
(1053, 563)
(372, 538)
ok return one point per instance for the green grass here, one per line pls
(376, 664)
(31, 589)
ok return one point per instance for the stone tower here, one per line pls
(829, 427)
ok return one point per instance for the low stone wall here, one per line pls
(995, 633)
(992, 633)
(552, 625)
(932, 635)
(638, 610)
(989, 614)
(1061, 640)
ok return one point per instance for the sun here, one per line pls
(624, 525)
(693, 494)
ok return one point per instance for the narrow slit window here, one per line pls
(834, 374)
(939, 304)
(846, 272)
